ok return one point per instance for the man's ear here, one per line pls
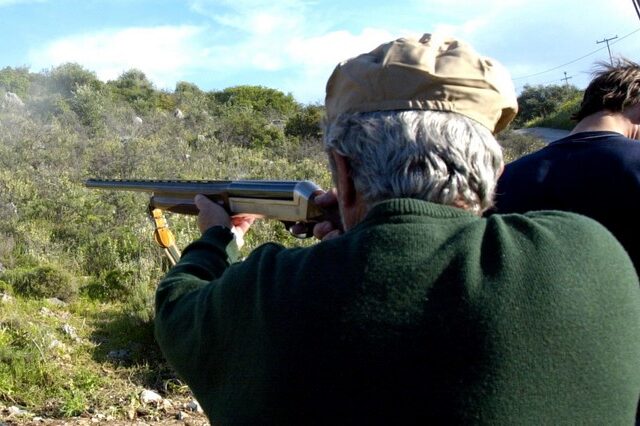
(344, 180)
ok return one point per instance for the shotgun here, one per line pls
(289, 201)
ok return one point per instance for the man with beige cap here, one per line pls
(420, 311)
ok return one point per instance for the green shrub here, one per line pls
(241, 126)
(66, 78)
(515, 145)
(110, 285)
(306, 124)
(42, 282)
(16, 80)
(541, 101)
(89, 104)
(258, 99)
(561, 118)
(5, 287)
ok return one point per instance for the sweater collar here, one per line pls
(411, 206)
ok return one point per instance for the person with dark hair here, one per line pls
(595, 170)
(420, 311)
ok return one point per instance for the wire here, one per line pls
(558, 81)
(580, 58)
(636, 5)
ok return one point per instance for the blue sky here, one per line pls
(293, 45)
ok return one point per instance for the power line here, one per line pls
(575, 60)
(636, 5)
(546, 83)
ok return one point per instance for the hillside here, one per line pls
(78, 267)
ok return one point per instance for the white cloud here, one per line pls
(329, 49)
(253, 17)
(314, 58)
(162, 53)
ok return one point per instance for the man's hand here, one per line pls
(212, 214)
(327, 229)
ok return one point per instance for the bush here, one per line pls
(541, 101)
(259, 99)
(5, 287)
(66, 78)
(306, 124)
(560, 119)
(109, 285)
(242, 127)
(16, 80)
(515, 145)
(42, 282)
(89, 106)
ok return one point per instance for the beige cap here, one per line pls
(441, 74)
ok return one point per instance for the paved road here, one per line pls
(545, 133)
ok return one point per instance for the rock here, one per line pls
(167, 405)
(182, 415)
(5, 298)
(16, 411)
(11, 100)
(137, 120)
(9, 209)
(178, 114)
(149, 397)
(120, 354)
(45, 312)
(70, 331)
(55, 344)
(56, 302)
(194, 406)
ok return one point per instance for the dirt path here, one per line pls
(544, 133)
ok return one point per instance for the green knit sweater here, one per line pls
(420, 314)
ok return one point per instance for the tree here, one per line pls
(134, 87)
(190, 98)
(66, 78)
(16, 80)
(540, 101)
(259, 99)
(306, 123)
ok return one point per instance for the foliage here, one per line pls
(561, 117)
(94, 249)
(515, 145)
(45, 281)
(66, 78)
(241, 126)
(136, 89)
(259, 99)
(540, 101)
(16, 80)
(306, 124)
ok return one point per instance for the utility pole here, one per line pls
(566, 79)
(607, 40)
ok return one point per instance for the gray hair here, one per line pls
(442, 157)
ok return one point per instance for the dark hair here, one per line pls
(614, 88)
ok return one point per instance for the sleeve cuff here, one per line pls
(224, 239)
